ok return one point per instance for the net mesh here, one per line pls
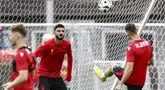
(90, 41)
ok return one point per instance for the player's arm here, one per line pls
(127, 73)
(129, 65)
(21, 60)
(23, 76)
(33, 66)
(151, 60)
(70, 59)
(40, 50)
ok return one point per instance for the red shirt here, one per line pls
(139, 52)
(23, 61)
(52, 56)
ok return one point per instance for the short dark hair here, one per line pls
(20, 28)
(130, 27)
(59, 26)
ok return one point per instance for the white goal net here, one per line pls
(94, 35)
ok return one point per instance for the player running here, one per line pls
(139, 56)
(52, 54)
(23, 62)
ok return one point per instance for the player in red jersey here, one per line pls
(52, 54)
(23, 62)
(139, 56)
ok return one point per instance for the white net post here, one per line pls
(49, 15)
(146, 17)
(49, 19)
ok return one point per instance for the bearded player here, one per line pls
(139, 56)
(52, 54)
(23, 63)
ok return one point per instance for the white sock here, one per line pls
(103, 76)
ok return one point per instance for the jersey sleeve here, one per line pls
(130, 55)
(70, 60)
(21, 60)
(40, 50)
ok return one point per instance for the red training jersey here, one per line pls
(23, 61)
(52, 56)
(139, 52)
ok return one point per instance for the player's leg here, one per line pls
(112, 69)
(109, 71)
(118, 71)
(44, 83)
(103, 75)
(58, 84)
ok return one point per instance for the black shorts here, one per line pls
(119, 72)
(48, 83)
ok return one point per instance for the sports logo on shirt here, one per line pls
(42, 87)
(21, 54)
(129, 48)
(52, 51)
(43, 44)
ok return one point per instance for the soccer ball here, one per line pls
(105, 5)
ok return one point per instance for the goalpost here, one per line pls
(96, 37)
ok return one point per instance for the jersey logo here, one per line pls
(42, 87)
(52, 51)
(129, 48)
(21, 54)
(43, 44)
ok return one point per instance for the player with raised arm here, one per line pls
(23, 62)
(52, 53)
(139, 56)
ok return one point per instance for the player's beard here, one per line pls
(60, 37)
(13, 43)
(129, 38)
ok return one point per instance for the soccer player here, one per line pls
(52, 53)
(139, 56)
(23, 62)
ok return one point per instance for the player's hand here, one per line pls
(150, 62)
(6, 86)
(119, 87)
